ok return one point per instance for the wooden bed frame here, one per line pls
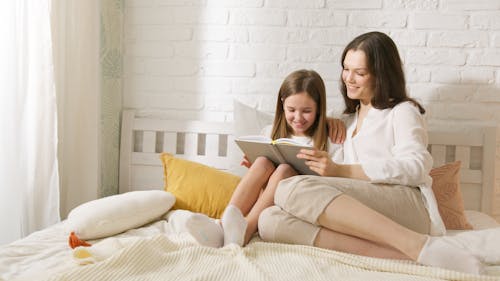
(211, 143)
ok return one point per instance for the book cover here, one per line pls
(279, 151)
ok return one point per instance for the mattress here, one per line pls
(143, 253)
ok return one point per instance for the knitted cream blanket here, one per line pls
(162, 258)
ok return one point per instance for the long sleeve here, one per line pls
(391, 147)
(408, 161)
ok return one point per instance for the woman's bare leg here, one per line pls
(266, 199)
(337, 241)
(349, 216)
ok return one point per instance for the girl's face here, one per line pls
(357, 78)
(300, 112)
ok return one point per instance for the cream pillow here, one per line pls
(480, 220)
(249, 120)
(114, 214)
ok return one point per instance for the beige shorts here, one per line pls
(300, 200)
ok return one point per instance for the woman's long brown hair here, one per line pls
(384, 64)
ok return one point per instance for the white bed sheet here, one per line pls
(45, 253)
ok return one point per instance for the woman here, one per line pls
(375, 196)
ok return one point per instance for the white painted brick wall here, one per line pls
(190, 58)
(196, 51)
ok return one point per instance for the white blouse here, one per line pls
(391, 147)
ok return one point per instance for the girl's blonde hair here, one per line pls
(312, 84)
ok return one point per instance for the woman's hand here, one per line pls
(245, 162)
(336, 130)
(318, 161)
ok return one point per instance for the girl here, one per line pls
(375, 198)
(300, 114)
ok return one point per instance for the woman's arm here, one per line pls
(320, 162)
(409, 162)
(336, 130)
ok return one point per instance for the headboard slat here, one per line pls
(462, 153)
(191, 144)
(438, 154)
(471, 176)
(169, 142)
(148, 141)
(212, 143)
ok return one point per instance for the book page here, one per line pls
(289, 141)
(256, 138)
(253, 149)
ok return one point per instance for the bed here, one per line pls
(155, 252)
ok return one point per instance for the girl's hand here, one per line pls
(318, 161)
(336, 130)
(245, 162)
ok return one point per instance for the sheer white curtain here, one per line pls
(49, 111)
(29, 183)
(76, 38)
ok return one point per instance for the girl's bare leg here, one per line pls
(266, 199)
(233, 223)
(246, 193)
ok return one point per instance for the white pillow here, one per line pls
(111, 215)
(247, 121)
(480, 220)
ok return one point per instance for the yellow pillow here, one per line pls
(197, 187)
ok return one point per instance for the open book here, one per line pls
(279, 151)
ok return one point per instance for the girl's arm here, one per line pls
(245, 162)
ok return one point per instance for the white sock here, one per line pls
(234, 225)
(483, 244)
(177, 220)
(440, 253)
(206, 231)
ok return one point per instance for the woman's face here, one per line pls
(357, 78)
(300, 112)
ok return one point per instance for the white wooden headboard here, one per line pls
(143, 139)
(476, 149)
